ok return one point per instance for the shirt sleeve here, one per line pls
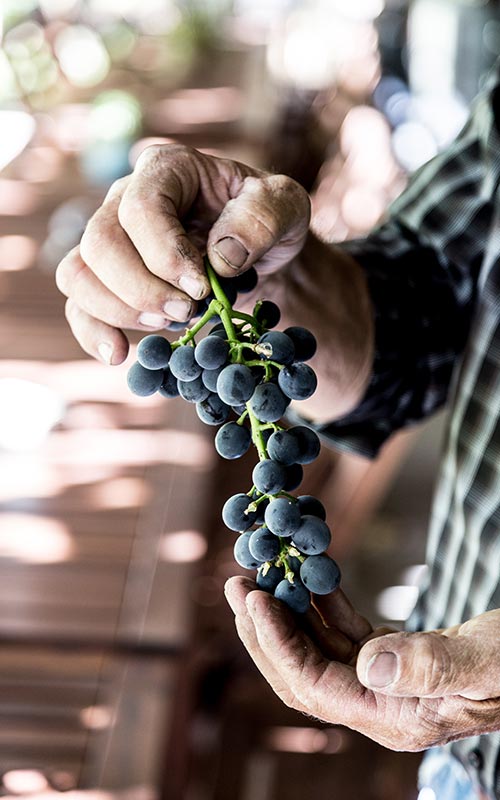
(422, 268)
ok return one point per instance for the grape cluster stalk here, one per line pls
(242, 377)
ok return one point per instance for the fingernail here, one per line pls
(152, 320)
(105, 351)
(192, 286)
(381, 670)
(231, 251)
(178, 309)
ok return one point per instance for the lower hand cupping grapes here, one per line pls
(405, 691)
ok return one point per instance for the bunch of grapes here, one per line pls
(242, 377)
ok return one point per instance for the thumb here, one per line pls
(265, 224)
(429, 665)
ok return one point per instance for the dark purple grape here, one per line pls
(270, 580)
(235, 513)
(242, 554)
(235, 384)
(193, 391)
(313, 536)
(246, 281)
(294, 475)
(212, 411)
(282, 517)
(268, 476)
(268, 402)
(211, 352)
(183, 365)
(144, 382)
(283, 447)
(311, 505)
(295, 595)
(153, 352)
(267, 314)
(304, 342)
(276, 346)
(232, 440)
(264, 545)
(308, 441)
(297, 381)
(321, 574)
(168, 386)
(209, 378)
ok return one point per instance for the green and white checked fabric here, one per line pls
(434, 273)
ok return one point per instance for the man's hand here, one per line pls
(407, 691)
(139, 264)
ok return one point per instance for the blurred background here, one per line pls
(121, 675)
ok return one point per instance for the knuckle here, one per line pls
(437, 664)
(153, 158)
(101, 233)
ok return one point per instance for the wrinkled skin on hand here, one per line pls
(139, 264)
(445, 684)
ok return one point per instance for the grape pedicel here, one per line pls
(244, 369)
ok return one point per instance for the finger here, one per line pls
(265, 223)
(99, 340)
(164, 186)
(74, 279)
(430, 665)
(338, 611)
(109, 253)
(236, 591)
(328, 689)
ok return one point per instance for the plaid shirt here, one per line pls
(434, 274)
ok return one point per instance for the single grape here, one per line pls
(235, 384)
(313, 535)
(212, 411)
(183, 365)
(193, 391)
(153, 352)
(270, 580)
(232, 440)
(218, 330)
(246, 281)
(264, 545)
(276, 346)
(321, 574)
(211, 352)
(309, 443)
(168, 386)
(311, 505)
(209, 378)
(176, 326)
(294, 564)
(295, 595)
(282, 517)
(304, 342)
(268, 476)
(267, 314)
(283, 447)
(235, 514)
(142, 381)
(268, 402)
(242, 553)
(294, 475)
(298, 381)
